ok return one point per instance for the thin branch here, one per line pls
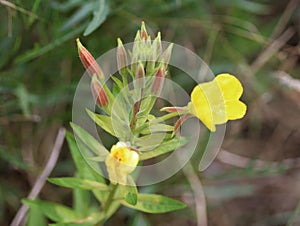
(284, 19)
(287, 80)
(17, 8)
(272, 49)
(43, 176)
(243, 162)
(199, 195)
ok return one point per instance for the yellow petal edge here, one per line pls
(217, 101)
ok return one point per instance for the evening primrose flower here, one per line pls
(217, 101)
(120, 162)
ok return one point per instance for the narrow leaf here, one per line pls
(90, 141)
(73, 182)
(103, 121)
(85, 171)
(54, 211)
(152, 203)
(164, 148)
(99, 17)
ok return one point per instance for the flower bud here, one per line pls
(89, 61)
(121, 58)
(144, 34)
(98, 92)
(158, 80)
(139, 75)
(120, 162)
(166, 55)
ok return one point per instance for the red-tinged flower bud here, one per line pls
(166, 55)
(139, 75)
(121, 58)
(144, 34)
(98, 92)
(175, 109)
(89, 61)
(158, 80)
(181, 120)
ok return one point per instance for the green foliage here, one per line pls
(152, 203)
(78, 183)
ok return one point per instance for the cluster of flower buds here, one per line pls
(96, 74)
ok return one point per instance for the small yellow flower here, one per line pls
(217, 101)
(120, 162)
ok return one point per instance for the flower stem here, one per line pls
(108, 203)
(110, 198)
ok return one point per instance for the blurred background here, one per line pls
(255, 179)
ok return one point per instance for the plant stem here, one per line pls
(108, 202)
(110, 198)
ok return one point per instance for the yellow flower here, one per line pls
(217, 101)
(120, 162)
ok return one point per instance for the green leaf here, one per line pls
(117, 82)
(103, 121)
(90, 141)
(73, 182)
(36, 51)
(99, 17)
(85, 170)
(149, 142)
(81, 201)
(78, 16)
(36, 217)
(54, 211)
(164, 148)
(157, 128)
(152, 203)
(131, 198)
(128, 192)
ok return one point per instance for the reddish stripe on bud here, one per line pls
(144, 34)
(139, 75)
(98, 92)
(121, 57)
(158, 81)
(175, 109)
(89, 61)
(180, 121)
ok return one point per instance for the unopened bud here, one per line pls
(180, 121)
(158, 80)
(139, 75)
(166, 55)
(98, 92)
(121, 58)
(144, 34)
(179, 110)
(89, 61)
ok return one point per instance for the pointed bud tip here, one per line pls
(120, 43)
(79, 45)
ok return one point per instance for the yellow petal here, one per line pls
(217, 101)
(120, 162)
(231, 87)
(235, 110)
(201, 108)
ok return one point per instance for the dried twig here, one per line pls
(284, 19)
(15, 7)
(197, 188)
(285, 79)
(43, 176)
(272, 49)
(243, 162)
